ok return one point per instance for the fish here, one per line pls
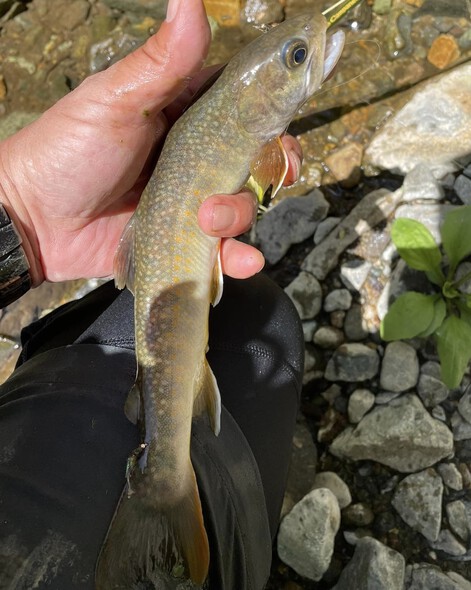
(174, 271)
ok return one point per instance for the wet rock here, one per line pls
(324, 228)
(420, 183)
(307, 533)
(359, 403)
(462, 188)
(402, 435)
(328, 337)
(156, 8)
(338, 299)
(353, 327)
(352, 362)
(428, 126)
(372, 209)
(459, 519)
(418, 500)
(257, 12)
(448, 543)
(430, 387)
(451, 476)
(345, 164)
(70, 15)
(444, 51)
(331, 481)
(290, 222)
(425, 577)
(373, 565)
(382, 6)
(400, 367)
(306, 294)
(359, 515)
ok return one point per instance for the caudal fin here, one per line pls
(145, 539)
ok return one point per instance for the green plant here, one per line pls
(445, 314)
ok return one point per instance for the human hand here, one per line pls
(72, 179)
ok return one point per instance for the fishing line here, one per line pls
(374, 63)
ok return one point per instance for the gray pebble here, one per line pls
(353, 327)
(328, 337)
(459, 519)
(324, 228)
(400, 367)
(359, 403)
(451, 476)
(331, 481)
(338, 299)
(448, 543)
(352, 362)
(306, 294)
(462, 188)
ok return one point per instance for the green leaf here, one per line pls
(415, 244)
(408, 316)
(449, 290)
(456, 234)
(439, 313)
(454, 349)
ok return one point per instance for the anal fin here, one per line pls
(208, 397)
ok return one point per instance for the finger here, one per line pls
(227, 215)
(148, 79)
(295, 156)
(239, 260)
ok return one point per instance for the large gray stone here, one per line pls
(290, 222)
(418, 500)
(306, 536)
(374, 566)
(401, 434)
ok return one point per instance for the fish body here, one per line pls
(173, 269)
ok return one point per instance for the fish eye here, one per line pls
(294, 53)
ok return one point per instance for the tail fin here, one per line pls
(146, 538)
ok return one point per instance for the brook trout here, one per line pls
(173, 269)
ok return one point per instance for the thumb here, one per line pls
(147, 80)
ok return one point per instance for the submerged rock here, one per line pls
(428, 127)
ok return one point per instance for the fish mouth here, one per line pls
(333, 50)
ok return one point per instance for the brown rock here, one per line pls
(443, 52)
(344, 164)
(226, 12)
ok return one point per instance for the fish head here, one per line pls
(275, 74)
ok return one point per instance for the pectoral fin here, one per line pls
(208, 397)
(269, 168)
(217, 282)
(124, 259)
